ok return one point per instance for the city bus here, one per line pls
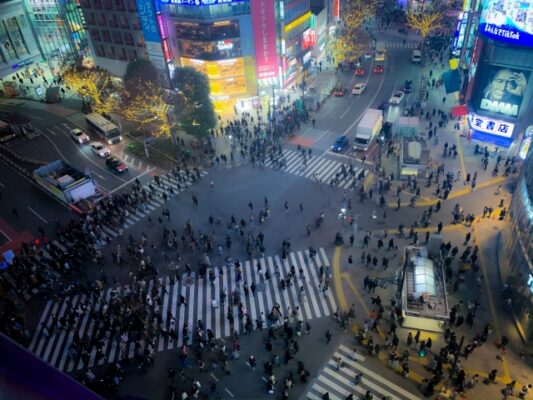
(103, 128)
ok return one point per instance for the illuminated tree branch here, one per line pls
(149, 109)
(424, 22)
(92, 86)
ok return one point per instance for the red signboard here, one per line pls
(308, 38)
(336, 9)
(264, 26)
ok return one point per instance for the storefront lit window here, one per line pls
(215, 50)
(212, 31)
(210, 12)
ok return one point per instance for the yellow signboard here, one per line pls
(300, 20)
(216, 69)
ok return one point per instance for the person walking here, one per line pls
(328, 336)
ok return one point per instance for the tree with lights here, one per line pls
(94, 87)
(149, 109)
(195, 111)
(348, 44)
(425, 22)
(137, 73)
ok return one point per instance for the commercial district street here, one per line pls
(268, 265)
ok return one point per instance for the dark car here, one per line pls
(408, 87)
(115, 164)
(384, 106)
(340, 143)
(339, 91)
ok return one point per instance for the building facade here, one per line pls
(18, 44)
(217, 40)
(115, 32)
(60, 30)
(497, 62)
(518, 243)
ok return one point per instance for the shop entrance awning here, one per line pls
(459, 111)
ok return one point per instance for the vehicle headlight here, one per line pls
(120, 137)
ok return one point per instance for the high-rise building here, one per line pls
(59, 27)
(115, 32)
(215, 38)
(18, 45)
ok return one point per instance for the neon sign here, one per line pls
(200, 2)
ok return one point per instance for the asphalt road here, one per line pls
(340, 115)
(54, 144)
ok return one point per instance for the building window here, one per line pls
(135, 23)
(97, 4)
(108, 4)
(122, 54)
(101, 20)
(91, 19)
(124, 23)
(17, 41)
(100, 52)
(128, 39)
(132, 7)
(116, 37)
(132, 54)
(85, 4)
(119, 5)
(113, 22)
(111, 52)
(95, 35)
(106, 36)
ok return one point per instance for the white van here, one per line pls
(416, 57)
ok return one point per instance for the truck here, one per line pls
(72, 187)
(369, 126)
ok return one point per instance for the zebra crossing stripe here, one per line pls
(55, 348)
(367, 373)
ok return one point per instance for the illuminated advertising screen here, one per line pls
(216, 69)
(212, 50)
(264, 29)
(508, 21)
(200, 2)
(228, 86)
(491, 130)
(501, 90)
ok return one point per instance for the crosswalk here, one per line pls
(398, 45)
(319, 168)
(167, 182)
(53, 344)
(340, 382)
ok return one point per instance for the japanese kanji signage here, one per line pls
(145, 10)
(490, 125)
(264, 28)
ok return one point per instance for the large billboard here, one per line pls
(508, 21)
(501, 90)
(264, 28)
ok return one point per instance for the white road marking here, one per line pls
(51, 131)
(37, 215)
(130, 181)
(1, 184)
(8, 238)
(228, 392)
(99, 176)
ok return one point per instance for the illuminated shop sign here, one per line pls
(216, 69)
(145, 10)
(508, 21)
(200, 2)
(490, 125)
(263, 23)
(161, 24)
(502, 90)
(308, 38)
(166, 50)
(306, 57)
(225, 44)
(300, 20)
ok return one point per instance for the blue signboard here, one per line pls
(200, 2)
(145, 9)
(508, 21)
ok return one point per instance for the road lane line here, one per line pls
(37, 215)
(341, 297)
(99, 176)
(228, 392)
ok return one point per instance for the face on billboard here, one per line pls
(504, 91)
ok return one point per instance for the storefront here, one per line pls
(220, 50)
